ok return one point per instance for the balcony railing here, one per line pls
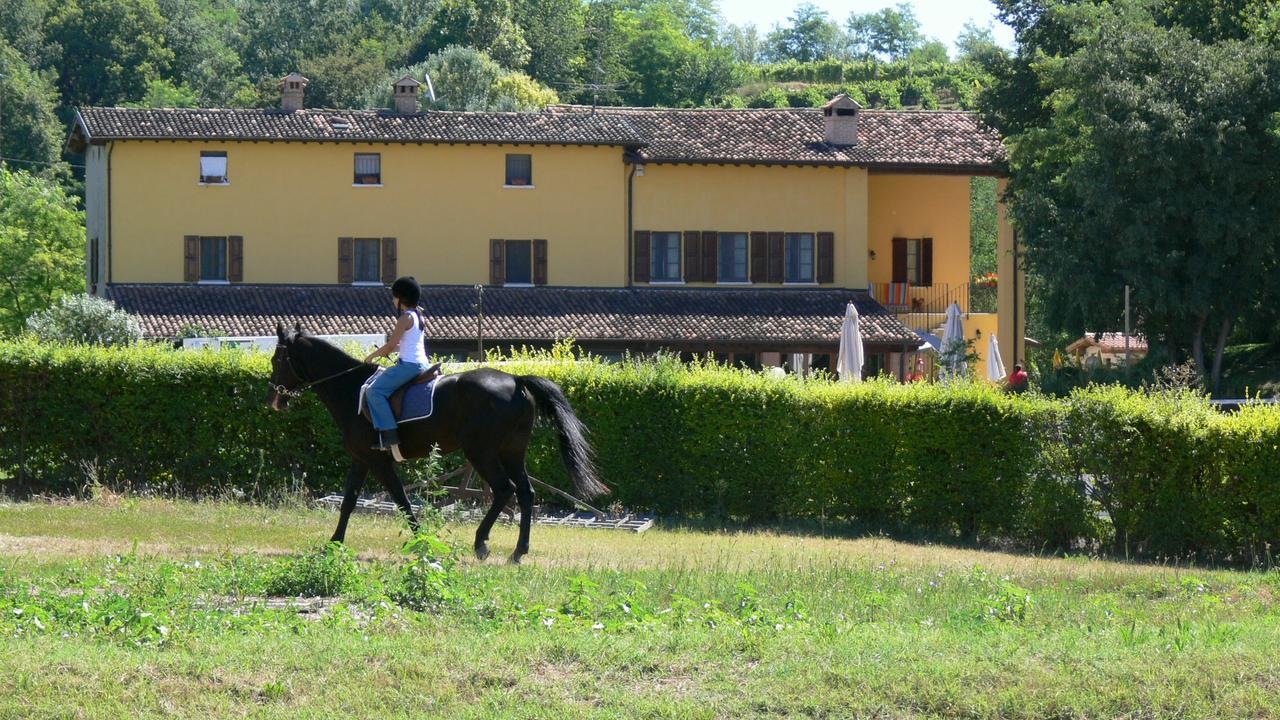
(925, 307)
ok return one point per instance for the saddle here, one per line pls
(398, 397)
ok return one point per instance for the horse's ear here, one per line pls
(280, 331)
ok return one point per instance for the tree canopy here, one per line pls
(1145, 154)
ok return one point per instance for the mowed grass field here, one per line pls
(151, 608)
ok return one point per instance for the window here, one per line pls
(733, 257)
(213, 259)
(368, 251)
(519, 264)
(665, 259)
(368, 169)
(213, 168)
(913, 262)
(799, 258)
(519, 170)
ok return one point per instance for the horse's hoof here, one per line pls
(482, 550)
(514, 559)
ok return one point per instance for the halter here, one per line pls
(297, 392)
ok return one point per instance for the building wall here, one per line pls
(95, 217)
(920, 206)
(746, 198)
(443, 203)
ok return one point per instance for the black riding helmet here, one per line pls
(407, 290)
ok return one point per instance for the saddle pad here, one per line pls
(415, 402)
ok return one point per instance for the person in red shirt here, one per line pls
(1018, 380)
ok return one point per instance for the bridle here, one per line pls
(298, 391)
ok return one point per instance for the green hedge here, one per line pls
(1170, 477)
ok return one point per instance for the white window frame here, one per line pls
(506, 172)
(813, 259)
(654, 238)
(213, 156)
(355, 177)
(720, 245)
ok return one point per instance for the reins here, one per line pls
(297, 392)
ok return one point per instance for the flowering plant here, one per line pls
(988, 280)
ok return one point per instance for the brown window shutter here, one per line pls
(346, 269)
(235, 258)
(776, 247)
(389, 261)
(640, 251)
(826, 257)
(899, 260)
(497, 274)
(539, 262)
(759, 257)
(926, 262)
(692, 256)
(709, 243)
(190, 258)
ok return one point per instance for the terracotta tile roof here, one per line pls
(112, 123)
(907, 139)
(673, 316)
(1111, 342)
(888, 139)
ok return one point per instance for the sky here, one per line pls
(942, 19)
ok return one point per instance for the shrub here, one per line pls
(84, 319)
(1160, 475)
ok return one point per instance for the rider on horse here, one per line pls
(408, 340)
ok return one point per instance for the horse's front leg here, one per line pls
(351, 491)
(385, 470)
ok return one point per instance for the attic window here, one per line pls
(340, 124)
(213, 167)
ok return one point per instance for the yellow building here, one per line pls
(740, 232)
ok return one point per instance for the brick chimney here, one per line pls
(292, 86)
(406, 95)
(840, 121)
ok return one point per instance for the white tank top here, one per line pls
(413, 346)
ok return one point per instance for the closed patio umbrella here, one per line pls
(995, 365)
(953, 344)
(849, 362)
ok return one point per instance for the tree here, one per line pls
(890, 33)
(554, 31)
(200, 35)
(975, 43)
(466, 79)
(810, 35)
(657, 52)
(111, 49)
(1156, 169)
(339, 78)
(933, 51)
(486, 25)
(745, 43)
(29, 127)
(164, 94)
(41, 246)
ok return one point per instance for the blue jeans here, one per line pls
(391, 380)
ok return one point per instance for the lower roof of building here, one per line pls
(684, 317)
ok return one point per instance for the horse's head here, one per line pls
(285, 382)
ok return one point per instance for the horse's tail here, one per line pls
(575, 451)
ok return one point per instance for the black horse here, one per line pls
(486, 413)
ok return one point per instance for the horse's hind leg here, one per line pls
(490, 468)
(524, 495)
(355, 480)
(386, 472)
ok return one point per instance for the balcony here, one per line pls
(925, 307)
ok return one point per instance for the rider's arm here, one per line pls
(393, 342)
